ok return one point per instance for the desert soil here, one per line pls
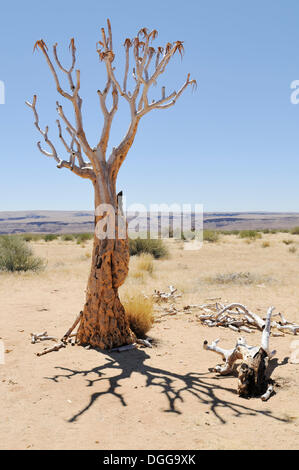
(159, 398)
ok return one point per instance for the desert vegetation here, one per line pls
(174, 375)
(16, 255)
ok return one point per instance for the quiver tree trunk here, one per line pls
(104, 323)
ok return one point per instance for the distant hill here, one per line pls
(83, 221)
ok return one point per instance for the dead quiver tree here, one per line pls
(103, 322)
(253, 378)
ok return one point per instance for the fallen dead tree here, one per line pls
(253, 377)
(239, 318)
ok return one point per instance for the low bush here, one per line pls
(30, 237)
(155, 247)
(83, 237)
(238, 278)
(229, 232)
(252, 234)
(16, 255)
(67, 237)
(49, 237)
(295, 231)
(210, 236)
(287, 242)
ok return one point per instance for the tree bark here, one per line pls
(104, 323)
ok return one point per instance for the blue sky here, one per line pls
(233, 145)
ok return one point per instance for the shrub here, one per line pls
(229, 232)
(295, 231)
(49, 237)
(210, 236)
(265, 244)
(155, 247)
(30, 237)
(139, 310)
(83, 237)
(292, 249)
(16, 255)
(145, 262)
(67, 237)
(238, 278)
(287, 242)
(252, 234)
(27, 237)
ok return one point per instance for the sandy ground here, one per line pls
(160, 398)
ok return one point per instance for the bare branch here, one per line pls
(108, 117)
(143, 54)
(74, 97)
(44, 133)
(127, 45)
(84, 171)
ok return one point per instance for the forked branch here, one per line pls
(143, 54)
(84, 170)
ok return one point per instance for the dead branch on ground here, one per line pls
(253, 377)
(239, 318)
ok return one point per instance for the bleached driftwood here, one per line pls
(253, 316)
(144, 342)
(268, 393)
(287, 328)
(165, 296)
(252, 378)
(55, 348)
(36, 337)
(238, 317)
(69, 337)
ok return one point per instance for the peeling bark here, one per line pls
(104, 323)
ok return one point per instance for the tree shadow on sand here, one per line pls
(167, 381)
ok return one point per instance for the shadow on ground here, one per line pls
(173, 385)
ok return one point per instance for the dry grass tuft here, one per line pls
(239, 278)
(140, 265)
(139, 310)
(138, 275)
(144, 262)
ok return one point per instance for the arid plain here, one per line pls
(159, 398)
